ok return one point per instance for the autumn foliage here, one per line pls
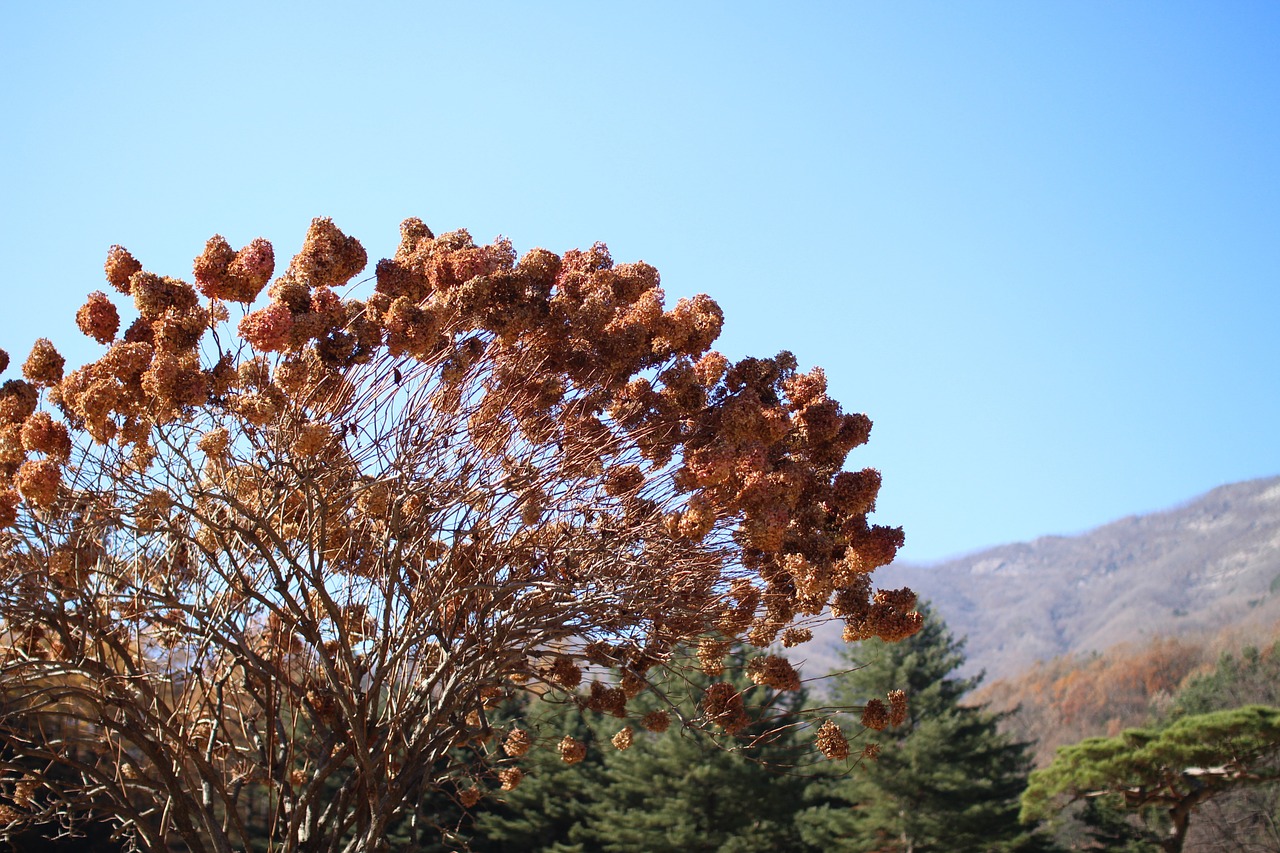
(1066, 699)
(299, 548)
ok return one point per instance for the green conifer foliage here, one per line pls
(695, 790)
(545, 813)
(1250, 678)
(1173, 770)
(1247, 818)
(946, 779)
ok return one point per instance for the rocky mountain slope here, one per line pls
(1198, 568)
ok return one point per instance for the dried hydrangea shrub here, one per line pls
(342, 519)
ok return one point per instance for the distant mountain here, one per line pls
(1191, 570)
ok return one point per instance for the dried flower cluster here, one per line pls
(832, 742)
(875, 715)
(572, 751)
(310, 547)
(898, 707)
(656, 721)
(517, 743)
(774, 671)
(724, 707)
(510, 777)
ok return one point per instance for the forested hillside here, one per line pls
(1072, 697)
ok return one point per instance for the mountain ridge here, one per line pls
(1194, 568)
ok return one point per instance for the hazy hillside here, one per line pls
(1200, 567)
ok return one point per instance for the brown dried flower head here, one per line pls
(510, 777)
(774, 671)
(38, 481)
(269, 329)
(572, 751)
(724, 707)
(711, 653)
(603, 699)
(12, 451)
(517, 743)
(8, 507)
(18, 399)
(251, 270)
(313, 439)
(24, 790)
(44, 366)
(328, 257)
(120, 268)
(223, 273)
(875, 715)
(656, 721)
(795, 636)
(564, 672)
(42, 434)
(622, 740)
(214, 442)
(832, 742)
(98, 318)
(897, 707)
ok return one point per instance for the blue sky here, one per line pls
(1038, 243)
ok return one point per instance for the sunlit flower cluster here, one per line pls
(98, 318)
(44, 366)
(773, 671)
(223, 273)
(898, 707)
(572, 751)
(517, 743)
(38, 481)
(510, 777)
(42, 434)
(832, 742)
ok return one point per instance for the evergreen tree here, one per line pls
(946, 778)
(1251, 678)
(545, 813)
(1245, 818)
(1170, 771)
(693, 790)
(1101, 824)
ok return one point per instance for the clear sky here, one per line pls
(1037, 242)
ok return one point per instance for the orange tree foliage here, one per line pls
(293, 553)
(1069, 698)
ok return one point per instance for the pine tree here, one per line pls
(946, 778)
(692, 790)
(1246, 818)
(1171, 771)
(1251, 678)
(545, 813)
